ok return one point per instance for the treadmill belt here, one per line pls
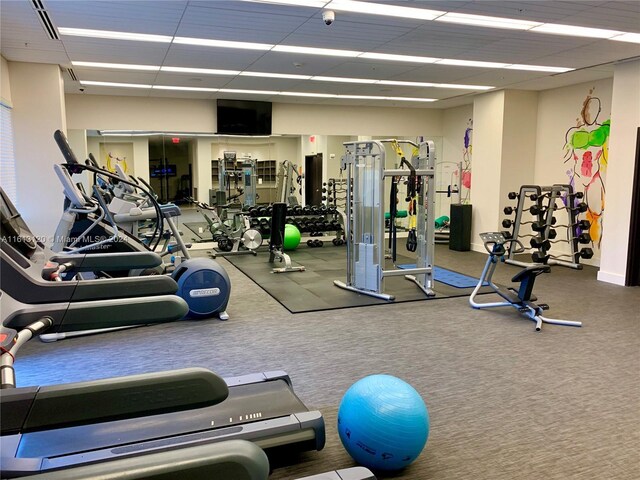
(253, 402)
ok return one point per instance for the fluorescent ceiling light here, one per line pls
(118, 66)
(434, 85)
(334, 53)
(205, 71)
(206, 42)
(485, 21)
(384, 9)
(343, 79)
(140, 37)
(188, 89)
(308, 94)
(398, 58)
(275, 75)
(575, 31)
(316, 51)
(294, 3)
(254, 92)
(361, 97)
(411, 99)
(627, 37)
(538, 68)
(228, 135)
(302, 77)
(251, 92)
(114, 84)
(470, 63)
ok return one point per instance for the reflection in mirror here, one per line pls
(186, 165)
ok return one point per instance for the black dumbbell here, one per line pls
(538, 226)
(507, 234)
(506, 223)
(585, 253)
(581, 208)
(224, 244)
(552, 233)
(539, 242)
(512, 195)
(584, 238)
(538, 257)
(509, 210)
(535, 210)
(584, 224)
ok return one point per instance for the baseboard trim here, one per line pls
(614, 278)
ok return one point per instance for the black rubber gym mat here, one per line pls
(313, 289)
(199, 231)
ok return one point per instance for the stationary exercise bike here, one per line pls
(231, 230)
(522, 299)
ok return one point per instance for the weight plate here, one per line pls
(251, 239)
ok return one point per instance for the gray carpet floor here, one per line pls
(505, 402)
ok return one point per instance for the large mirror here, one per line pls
(182, 166)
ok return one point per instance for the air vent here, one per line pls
(72, 74)
(45, 20)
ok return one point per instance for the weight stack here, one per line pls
(460, 228)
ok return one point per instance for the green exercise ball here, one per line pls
(291, 237)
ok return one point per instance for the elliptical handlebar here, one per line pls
(73, 166)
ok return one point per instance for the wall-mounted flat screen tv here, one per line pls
(166, 171)
(244, 117)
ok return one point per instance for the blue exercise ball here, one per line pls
(383, 422)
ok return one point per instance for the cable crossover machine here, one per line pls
(364, 163)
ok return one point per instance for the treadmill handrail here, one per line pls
(134, 396)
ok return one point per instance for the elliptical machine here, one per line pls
(202, 282)
(522, 299)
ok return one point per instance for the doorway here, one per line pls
(633, 254)
(170, 169)
(313, 179)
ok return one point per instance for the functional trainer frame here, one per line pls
(364, 162)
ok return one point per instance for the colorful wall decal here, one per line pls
(587, 156)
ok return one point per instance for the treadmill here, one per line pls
(49, 428)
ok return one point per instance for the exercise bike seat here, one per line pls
(534, 271)
(527, 277)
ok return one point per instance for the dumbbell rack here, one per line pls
(544, 203)
(334, 192)
(311, 220)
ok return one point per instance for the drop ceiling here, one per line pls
(23, 39)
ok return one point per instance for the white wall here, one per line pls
(488, 124)
(289, 118)
(558, 111)
(38, 110)
(625, 119)
(140, 113)
(5, 83)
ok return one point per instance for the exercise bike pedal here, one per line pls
(543, 306)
